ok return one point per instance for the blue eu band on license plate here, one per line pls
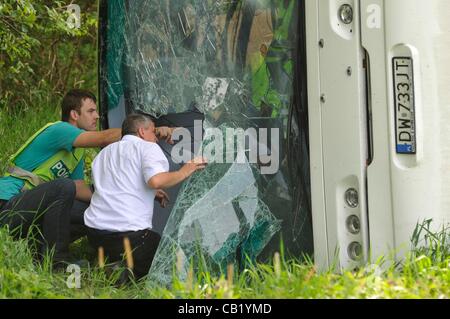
(405, 117)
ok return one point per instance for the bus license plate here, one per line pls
(405, 119)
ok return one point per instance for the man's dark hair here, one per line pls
(73, 100)
(134, 122)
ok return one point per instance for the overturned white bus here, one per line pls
(356, 90)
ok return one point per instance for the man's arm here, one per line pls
(83, 192)
(98, 139)
(106, 137)
(169, 179)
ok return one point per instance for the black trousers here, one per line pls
(143, 244)
(49, 214)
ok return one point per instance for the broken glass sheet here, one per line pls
(162, 54)
(218, 219)
(115, 53)
(236, 62)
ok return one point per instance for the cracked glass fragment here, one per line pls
(217, 220)
(232, 64)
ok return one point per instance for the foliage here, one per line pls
(431, 242)
(418, 276)
(40, 55)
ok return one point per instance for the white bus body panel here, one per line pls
(404, 190)
(401, 190)
(338, 141)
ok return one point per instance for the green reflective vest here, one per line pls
(61, 165)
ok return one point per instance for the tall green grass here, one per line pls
(424, 273)
(427, 241)
(417, 276)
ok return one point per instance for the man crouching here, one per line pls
(128, 175)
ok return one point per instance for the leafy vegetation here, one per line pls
(41, 56)
(417, 276)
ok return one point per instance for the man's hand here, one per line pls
(193, 165)
(165, 133)
(169, 179)
(162, 197)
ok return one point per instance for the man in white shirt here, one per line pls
(128, 175)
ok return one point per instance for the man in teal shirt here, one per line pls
(60, 135)
(44, 184)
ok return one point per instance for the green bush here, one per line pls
(40, 55)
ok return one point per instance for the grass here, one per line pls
(425, 273)
(419, 276)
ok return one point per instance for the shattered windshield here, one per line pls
(236, 63)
